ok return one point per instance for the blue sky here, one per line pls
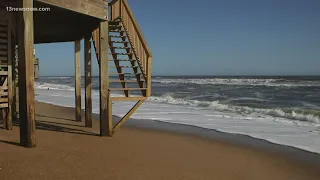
(217, 37)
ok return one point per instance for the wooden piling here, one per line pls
(88, 81)
(105, 121)
(26, 75)
(77, 80)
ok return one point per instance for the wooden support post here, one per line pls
(88, 81)
(4, 117)
(77, 80)
(109, 110)
(10, 82)
(26, 76)
(105, 121)
(38, 69)
(149, 74)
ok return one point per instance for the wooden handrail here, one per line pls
(135, 24)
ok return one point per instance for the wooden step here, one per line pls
(122, 60)
(114, 22)
(3, 73)
(3, 87)
(123, 81)
(123, 66)
(128, 98)
(125, 73)
(127, 89)
(113, 36)
(122, 47)
(3, 52)
(3, 63)
(3, 47)
(3, 58)
(114, 26)
(115, 30)
(5, 105)
(3, 93)
(3, 40)
(3, 35)
(3, 29)
(119, 41)
(122, 53)
(3, 100)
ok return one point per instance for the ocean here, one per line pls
(282, 110)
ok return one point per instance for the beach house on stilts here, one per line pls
(123, 55)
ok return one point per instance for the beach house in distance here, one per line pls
(118, 44)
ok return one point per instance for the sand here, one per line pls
(67, 150)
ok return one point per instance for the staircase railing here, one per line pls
(120, 9)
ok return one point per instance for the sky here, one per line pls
(216, 37)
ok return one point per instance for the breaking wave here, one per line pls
(243, 82)
(312, 116)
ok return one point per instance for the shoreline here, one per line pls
(245, 141)
(212, 135)
(242, 140)
(145, 149)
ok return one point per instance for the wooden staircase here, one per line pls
(129, 67)
(6, 55)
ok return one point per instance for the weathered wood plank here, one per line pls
(88, 81)
(149, 76)
(26, 79)
(98, 9)
(3, 52)
(2, 58)
(3, 29)
(3, 100)
(128, 98)
(109, 110)
(3, 73)
(77, 80)
(4, 105)
(3, 40)
(3, 35)
(9, 79)
(105, 126)
(3, 47)
(4, 117)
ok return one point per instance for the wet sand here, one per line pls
(145, 149)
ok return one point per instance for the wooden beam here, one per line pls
(88, 81)
(26, 81)
(128, 98)
(126, 117)
(94, 8)
(105, 121)
(109, 110)
(4, 117)
(77, 80)
(149, 76)
(10, 82)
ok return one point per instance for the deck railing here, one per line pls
(120, 10)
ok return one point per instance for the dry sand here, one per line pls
(66, 150)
